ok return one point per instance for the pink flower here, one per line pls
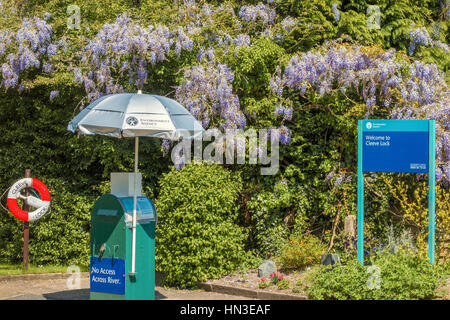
(263, 279)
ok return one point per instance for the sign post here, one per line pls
(26, 227)
(431, 189)
(396, 146)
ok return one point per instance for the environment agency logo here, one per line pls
(369, 125)
(132, 121)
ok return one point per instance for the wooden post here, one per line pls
(26, 229)
(350, 229)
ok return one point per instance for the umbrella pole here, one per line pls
(133, 241)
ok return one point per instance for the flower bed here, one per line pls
(279, 282)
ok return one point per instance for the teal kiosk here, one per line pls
(111, 243)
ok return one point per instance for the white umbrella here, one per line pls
(136, 115)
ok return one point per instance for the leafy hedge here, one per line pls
(200, 238)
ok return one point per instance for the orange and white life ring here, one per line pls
(42, 204)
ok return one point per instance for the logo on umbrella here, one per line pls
(132, 121)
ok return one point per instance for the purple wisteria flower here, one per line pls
(260, 12)
(441, 45)
(339, 180)
(289, 23)
(47, 67)
(206, 9)
(421, 37)
(207, 93)
(329, 176)
(54, 94)
(436, 29)
(166, 144)
(242, 40)
(337, 15)
(31, 45)
(125, 48)
(285, 135)
(285, 112)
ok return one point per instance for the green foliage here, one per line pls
(200, 239)
(254, 66)
(301, 251)
(297, 289)
(275, 213)
(400, 276)
(268, 221)
(283, 284)
(340, 282)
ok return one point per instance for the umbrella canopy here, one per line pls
(136, 115)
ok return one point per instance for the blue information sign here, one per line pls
(390, 147)
(107, 275)
(396, 146)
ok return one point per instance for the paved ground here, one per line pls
(57, 289)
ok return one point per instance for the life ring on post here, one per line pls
(42, 204)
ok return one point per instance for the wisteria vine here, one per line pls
(30, 47)
(410, 90)
(421, 37)
(259, 12)
(121, 56)
(207, 93)
(126, 50)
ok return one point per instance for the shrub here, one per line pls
(200, 238)
(283, 284)
(267, 216)
(301, 251)
(299, 287)
(413, 200)
(400, 276)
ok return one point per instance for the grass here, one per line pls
(13, 269)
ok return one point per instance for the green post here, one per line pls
(431, 189)
(360, 231)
